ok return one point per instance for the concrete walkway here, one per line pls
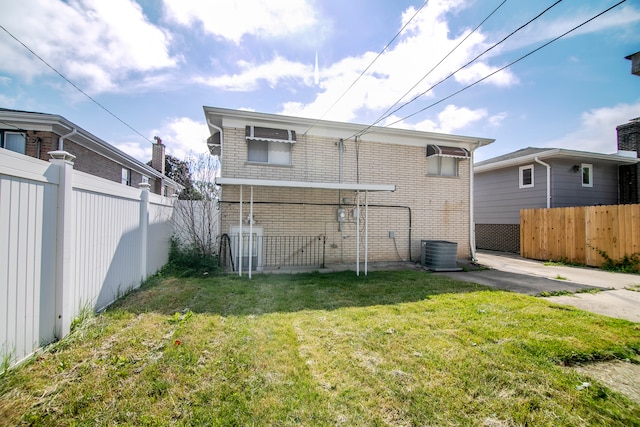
(511, 272)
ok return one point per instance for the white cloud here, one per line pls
(233, 19)
(272, 72)
(184, 137)
(94, 43)
(597, 131)
(413, 59)
(497, 119)
(449, 120)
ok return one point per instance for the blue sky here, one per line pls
(155, 63)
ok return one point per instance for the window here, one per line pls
(526, 176)
(14, 141)
(126, 176)
(587, 175)
(270, 146)
(270, 152)
(442, 166)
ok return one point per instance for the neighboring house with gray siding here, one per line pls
(539, 178)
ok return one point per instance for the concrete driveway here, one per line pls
(511, 272)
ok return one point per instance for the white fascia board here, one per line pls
(303, 184)
(330, 129)
(556, 153)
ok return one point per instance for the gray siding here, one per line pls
(567, 189)
(498, 198)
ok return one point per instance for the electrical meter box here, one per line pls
(341, 214)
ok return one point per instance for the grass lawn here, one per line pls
(398, 348)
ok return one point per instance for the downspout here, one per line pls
(219, 130)
(472, 225)
(548, 166)
(63, 137)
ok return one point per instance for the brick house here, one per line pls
(37, 134)
(309, 192)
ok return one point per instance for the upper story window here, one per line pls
(269, 146)
(14, 141)
(587, 175)
(442, 166)
(526, 176)
(126, 176)
(443, 161)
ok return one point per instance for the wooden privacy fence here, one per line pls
(577, 234)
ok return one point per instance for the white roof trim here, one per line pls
(556, 153)
(304, 184)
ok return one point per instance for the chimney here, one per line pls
(157, 155)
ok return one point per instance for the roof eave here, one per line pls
(558, 153)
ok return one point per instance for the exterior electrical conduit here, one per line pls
(335, 204)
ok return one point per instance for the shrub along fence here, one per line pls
(580, 234)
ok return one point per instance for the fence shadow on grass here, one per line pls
(228, 295)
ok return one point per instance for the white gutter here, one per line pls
(472, 225)
(548, 166)
(63, 137)
(219, 130)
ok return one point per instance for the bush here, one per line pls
(187, 261)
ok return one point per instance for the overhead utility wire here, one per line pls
(368, 66)
(511, 63)
(458, 70)
(383, 115)
(74, 85)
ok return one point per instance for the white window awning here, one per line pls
(444, 151)
(348, 186)
(255, 133)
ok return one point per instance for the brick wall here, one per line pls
(498, 237)
(629, 181)
(39, 143)
(439, 205)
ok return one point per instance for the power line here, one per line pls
(73, 84)
(368, 66)
(510, 64)
(383, 115)
(387, 114)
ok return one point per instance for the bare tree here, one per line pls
(196, 214)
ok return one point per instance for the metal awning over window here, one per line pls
(255, 133)
(443, 151)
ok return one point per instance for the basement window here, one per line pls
(526, 176)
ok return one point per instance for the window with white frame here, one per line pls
(587, 175)
(526, 176)
(269, 152)
(269, 146)
(442, 166)
(126, 176)
(14, 141)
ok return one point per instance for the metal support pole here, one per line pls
(251, 233)
(240, 238)
(358, 234)
(366, 232)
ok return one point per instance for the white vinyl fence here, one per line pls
(69, 241)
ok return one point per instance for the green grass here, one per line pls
(393, 348)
